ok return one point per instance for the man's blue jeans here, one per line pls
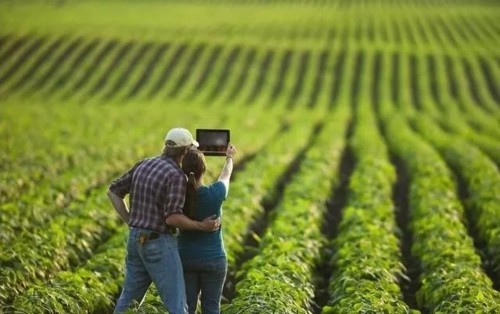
(205, 277)
(156, 260)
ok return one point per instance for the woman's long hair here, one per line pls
(193, 165)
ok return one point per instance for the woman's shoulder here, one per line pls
(216, 188)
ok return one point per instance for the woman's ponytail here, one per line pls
(193, 166)
(190, 202)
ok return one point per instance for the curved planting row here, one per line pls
(77, 143)
(280, 277)
(367, 262)
(258, 183)
(481, 178)
(443, 109)
(77, 78)
(65, 241)
(91, 68)
(455, 123)
(452, 279)
(469, 92)
(90, 288)
(448, 73)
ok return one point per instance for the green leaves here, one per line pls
(367, 261)
(279, 279)
(452, 276)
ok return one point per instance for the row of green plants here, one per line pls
(367, 262)
(476, 167)
(37, 70)
(65, 241)
(452, 279)
(471, 94)
(456, 124)
(280, 278)
(110, 69)
(80, 150)
(258, 184)
(244, 291)
(115, 66)
(445, 109)
(436, 83)
(466, 27)
(431, 109)
(481, 178)
(480, 120)
(89, 288)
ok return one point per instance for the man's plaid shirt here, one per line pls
(157, 188)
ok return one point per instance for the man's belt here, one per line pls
(143, 236)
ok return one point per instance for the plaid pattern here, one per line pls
(157, 188)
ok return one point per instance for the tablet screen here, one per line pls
(213, 142)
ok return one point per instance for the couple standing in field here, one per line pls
(166, 193)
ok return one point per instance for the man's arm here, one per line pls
(183, 222)
(120, 206)
(117, 191)
(174, 217)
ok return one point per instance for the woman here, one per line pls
(203, 256)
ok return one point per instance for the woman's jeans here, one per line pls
(204, 278)
(154, 260)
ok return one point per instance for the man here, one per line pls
(157, 188)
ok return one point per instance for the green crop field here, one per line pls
(367, 177)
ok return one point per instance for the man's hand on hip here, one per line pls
(210, 224)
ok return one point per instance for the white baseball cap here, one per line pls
(179, 137)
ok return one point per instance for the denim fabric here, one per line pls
(204, 278)
(156, 261)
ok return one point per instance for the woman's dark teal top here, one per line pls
(199, 244)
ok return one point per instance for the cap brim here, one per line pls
(195, 143)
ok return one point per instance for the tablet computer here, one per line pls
(213, 142)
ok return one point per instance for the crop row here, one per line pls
(111, 69)
(442, 107)
(258, 184)
(474, 155)
(481, 179)
(280, 277)
(367, 263)
(452, 279)
(379, 23)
